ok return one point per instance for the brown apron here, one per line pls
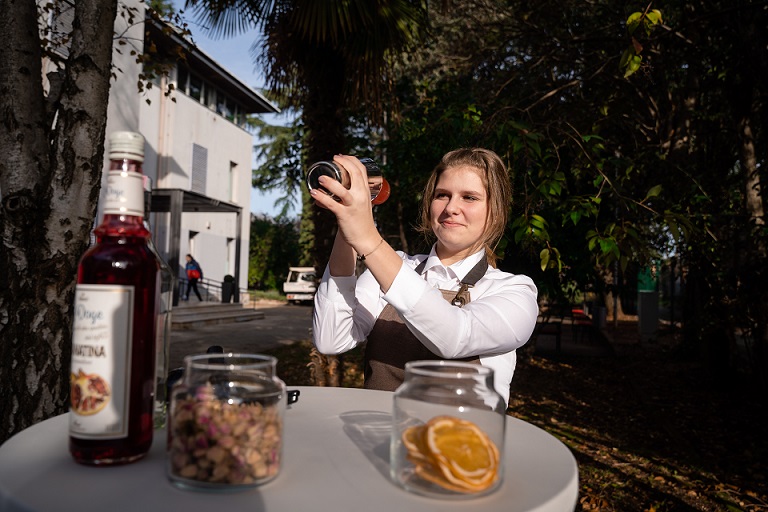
(391, 344)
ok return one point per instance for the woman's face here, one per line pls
(458, 211)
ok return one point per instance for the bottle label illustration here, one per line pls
(101, 360)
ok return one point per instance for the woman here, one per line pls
(399, 303)
(194, 274)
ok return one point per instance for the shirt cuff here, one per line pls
(406, 290)
(338, 288)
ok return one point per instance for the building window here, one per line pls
(210, 92)
(195, 87)
(182, 75)
(222, 106)
(210, 96)
(199, 168)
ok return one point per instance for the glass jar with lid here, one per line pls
(225, 422)
(448, 430)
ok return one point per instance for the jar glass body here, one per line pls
(439, 406)
(377, 184)
(225, 422)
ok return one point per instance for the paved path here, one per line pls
(283, 324)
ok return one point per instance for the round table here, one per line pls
(336, 457)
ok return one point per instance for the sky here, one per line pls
(234, 55)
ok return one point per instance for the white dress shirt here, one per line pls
(499, 318)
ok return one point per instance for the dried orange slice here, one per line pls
(455, 454)
(429, 473)
(462, 451)
(413, 439)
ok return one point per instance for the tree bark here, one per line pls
(49, 181)
(756, 214)
(323, 73)
(752, 186)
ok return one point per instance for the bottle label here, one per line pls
(125, 193)
(100, 375)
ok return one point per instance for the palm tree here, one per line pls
(323, 57)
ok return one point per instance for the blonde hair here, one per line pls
(498, 190)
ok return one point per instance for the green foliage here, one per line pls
(305, 40)
(608, 173)
(281, 157)
(631, 59)
(579, 204)
(162, 7)
(271, 294)
(274, 247)
(156, 62)
(583, 200)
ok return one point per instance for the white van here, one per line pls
(300, 285)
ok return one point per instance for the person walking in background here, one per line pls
(449, 304)
(194, 274)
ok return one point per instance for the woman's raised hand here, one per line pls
(353, 210)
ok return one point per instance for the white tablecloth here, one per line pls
(336, 457)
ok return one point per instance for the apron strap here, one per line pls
(477, 272)
(421, 266)
(472, 277)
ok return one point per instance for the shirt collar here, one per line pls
(460, 269)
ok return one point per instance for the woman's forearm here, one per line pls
(342, 261)
(384, 263)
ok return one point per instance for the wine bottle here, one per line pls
(112, 377)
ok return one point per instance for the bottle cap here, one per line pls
(126, 145)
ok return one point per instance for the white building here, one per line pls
(197, 153)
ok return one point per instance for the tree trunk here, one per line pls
(323, 72)
(752, 187)
(614, 312)
(745, 99)
(756, 214)
(49, 181)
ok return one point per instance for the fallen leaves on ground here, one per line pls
(651, 431)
